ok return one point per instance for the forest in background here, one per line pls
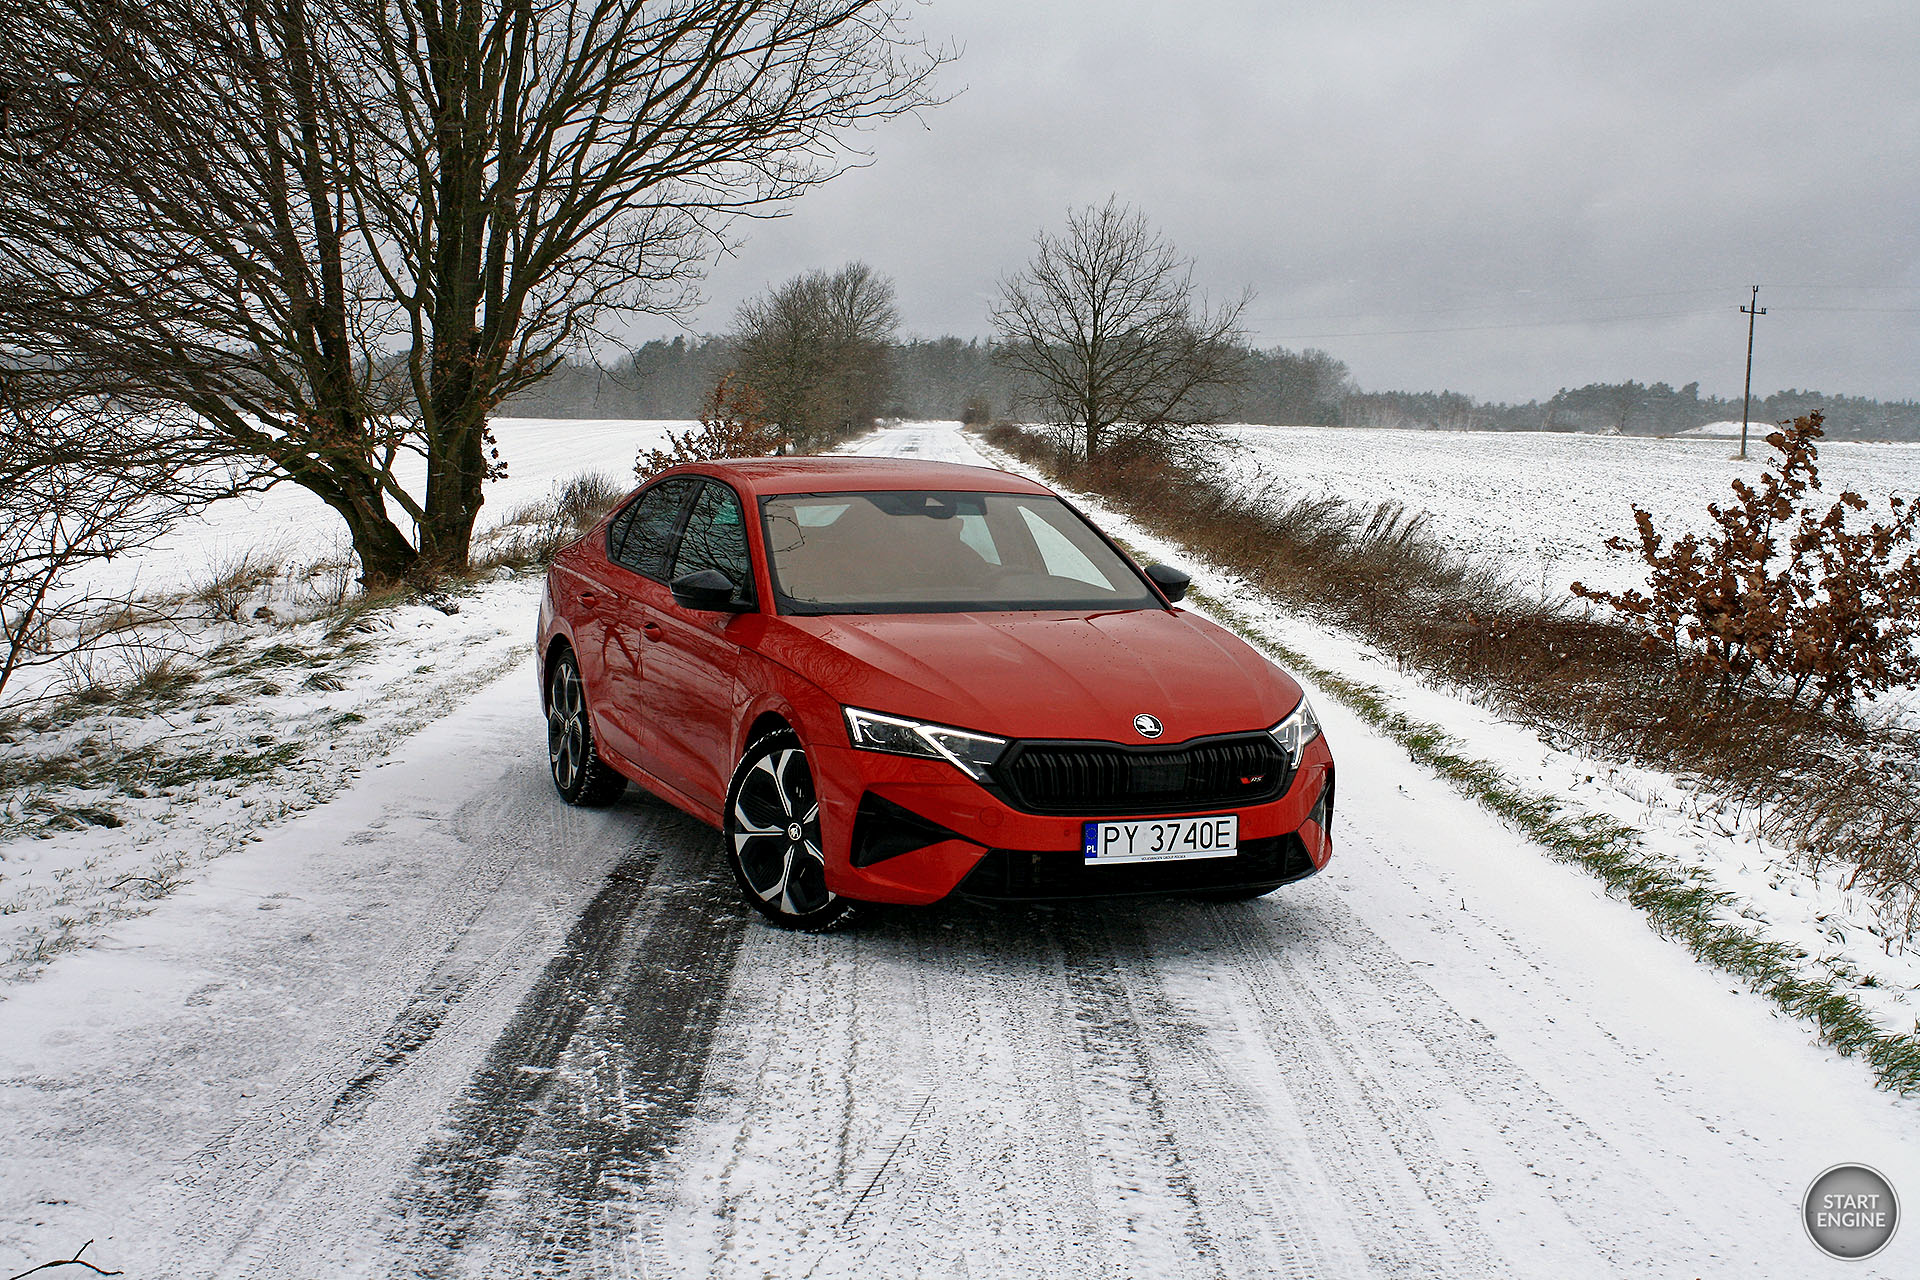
(959, 378)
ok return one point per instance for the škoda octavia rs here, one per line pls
(889, 681)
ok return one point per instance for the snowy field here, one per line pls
(1542, 503)
(288, 523)
(400, 1012)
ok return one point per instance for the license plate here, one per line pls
(1161, 839)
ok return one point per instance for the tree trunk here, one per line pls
(385, 554)
(456, 473)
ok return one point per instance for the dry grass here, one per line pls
(360, 614)
(528, 536)
(1834, 787)
(158, 675)
(224, 589)
(121, 618)
(326, 585)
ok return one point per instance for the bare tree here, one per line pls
(1107, 328)
(817, 351)
(341, 231)
(83, 481)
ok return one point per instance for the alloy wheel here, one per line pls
(773, 836)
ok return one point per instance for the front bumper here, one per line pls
(914, 831)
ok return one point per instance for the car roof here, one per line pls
(835, 472)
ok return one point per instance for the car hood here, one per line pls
(1042, 675)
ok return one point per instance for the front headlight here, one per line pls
(971, 753)
(1297, 730)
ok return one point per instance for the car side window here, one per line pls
(716, 538)
(642, 536)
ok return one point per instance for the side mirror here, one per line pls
(1172, 583)
(709, 591)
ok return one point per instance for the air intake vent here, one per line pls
(1094, 778)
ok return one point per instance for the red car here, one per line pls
(889, 681)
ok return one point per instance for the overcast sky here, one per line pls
(1496, 198)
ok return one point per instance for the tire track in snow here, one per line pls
(585, 1089)
(1337, 1005)
(1228, 1152)
(1084, 1118)
(834, 1044)
(1362, 1113)
(309, 1164)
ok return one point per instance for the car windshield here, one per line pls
(927, 551)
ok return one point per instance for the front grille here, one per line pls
(1004, 875)
(1100, 778)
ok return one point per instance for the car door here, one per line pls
(693, 658)
(639, 546)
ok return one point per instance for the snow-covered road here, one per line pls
(442, 1025)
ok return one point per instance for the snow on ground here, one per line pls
(278, 714)
(441, 1024)
(1541, 503)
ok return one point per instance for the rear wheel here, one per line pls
(772, 830)
(579, 774)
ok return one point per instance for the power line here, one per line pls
(1876, 311)
(1908, 287)
(1520, 298)
(1507, 300)
(1482, 328)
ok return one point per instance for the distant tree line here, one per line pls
(932, 378)
(1628, 408)
(958, 377)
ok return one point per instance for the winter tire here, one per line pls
(579, 774)
(772, 830)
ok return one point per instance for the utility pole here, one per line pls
(1752, 312)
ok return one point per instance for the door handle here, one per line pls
(588, 597)
(652, 631)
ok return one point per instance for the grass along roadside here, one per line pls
(107, 812)
(1677, 901)
(118, 784)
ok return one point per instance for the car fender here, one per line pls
(550, 631)
(803, 705)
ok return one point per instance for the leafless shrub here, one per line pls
(83, 480)
(86, 681)
(733, 424)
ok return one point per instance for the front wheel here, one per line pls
(772, 830)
